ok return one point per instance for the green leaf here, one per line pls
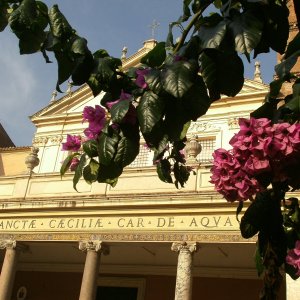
(223, 73)
(178, 77)
(153, 81)
(101, 53)
(127, 151)
(90, 147)
(3, 16)
(156, 56)
(66, 164)
(181, 174)
(65, 67)
(212, 36)
(294, 105)
(109, 174)
(258, 262)
(59, 25)
(196, 101)
(163, 169)
(149, 111)
(107, 148)
(119, 110)
(23, 17)
(238, 210)
(31, 41)
(161, 148)
(246, 30)
(90, 172)
(78, 171)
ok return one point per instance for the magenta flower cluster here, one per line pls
(293, 257)
(140, 78)
(73, 143)
(96, 118)
(260, 149)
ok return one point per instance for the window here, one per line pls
(208, 147)
(144, 158)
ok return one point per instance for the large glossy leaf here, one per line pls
(59, 25)
(156, 56)
(119, 110)
(223, 73)
(31, 41)
(23, 16)
(284, 68)
(78, 171)
(163, 169)
(196, 101)
(107, 147)
(212, 36)
(178, 77)
(149, 111)
(90, 148)
(127, 151)
(153, 81)
(293, 46)
(90, 172)
(67, 162)
(3, 16)
(246, 30)
(109, 174)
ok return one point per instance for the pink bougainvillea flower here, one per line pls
(140, 79)
(293, 257)
(74, 164)
(73, 143)
(96, 118)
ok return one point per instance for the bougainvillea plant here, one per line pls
(175, 84)
(262, 166)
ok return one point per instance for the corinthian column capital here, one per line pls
(8, 244)
(97, 246)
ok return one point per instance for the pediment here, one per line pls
(74, 103)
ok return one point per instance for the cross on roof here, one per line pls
(153, 27)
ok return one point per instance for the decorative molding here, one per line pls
(97, 246)
(8, 244)
(233, 123)
(55, 140)
(203, 127)
(207, 237)
(40, 141)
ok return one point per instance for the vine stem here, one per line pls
(191, 24)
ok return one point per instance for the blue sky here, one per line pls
(26, 82)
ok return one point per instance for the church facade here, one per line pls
(141, 240)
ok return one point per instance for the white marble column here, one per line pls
(91, 268)
(9, 268)
(183, 290)
(292, 288)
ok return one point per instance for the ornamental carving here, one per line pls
(185, 247)
(8, 244)
(233, 123)
(97, 246)
(40, 141)
(56, 140)
(202, 126)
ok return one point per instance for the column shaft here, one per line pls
(8, 272)
(91, 268)
(183, 290)
(90, 273)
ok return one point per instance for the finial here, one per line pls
(257, 73)
(53, 98)
(32, 160)
(69, 89)
(124, 52)
(153, 27)
(192, 149)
